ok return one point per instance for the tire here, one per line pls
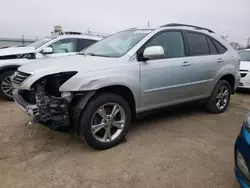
(91, 114)
(3, 78)
(215, 97)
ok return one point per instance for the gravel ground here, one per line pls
(182, 147)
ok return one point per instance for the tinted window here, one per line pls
(84, 43)
(197, 44)
(172, 43)
(212, 47)
(219, 47)
(64, 46)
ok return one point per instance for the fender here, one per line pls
(226, 70)
(94, 80)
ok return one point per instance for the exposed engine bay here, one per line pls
(49, 105)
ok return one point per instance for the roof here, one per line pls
(181, 26)
(87, 35)
(80, 36)
(185, 25)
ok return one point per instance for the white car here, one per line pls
(64, 44)
(244, 69)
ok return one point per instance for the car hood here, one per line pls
(245, 65)
(16, 50)
(79, 63)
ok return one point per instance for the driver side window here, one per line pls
(64, 46)
(172, 43)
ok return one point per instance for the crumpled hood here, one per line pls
(16, 50)
(79, 63)
(245, 65)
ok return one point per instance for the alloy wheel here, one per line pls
(222, 97)
(6, 86)
(108, 122)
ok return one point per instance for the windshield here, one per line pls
(40, 42)
(245, 56)
(116, 45)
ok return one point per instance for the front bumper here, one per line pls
(242, 145)
(59, 122)
(30, 109)
(244, 80)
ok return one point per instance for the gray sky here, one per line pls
(37, 17)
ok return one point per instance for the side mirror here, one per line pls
(47, 50)
(153, 52)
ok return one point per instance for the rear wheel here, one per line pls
(105, 121)
(220, 97)
(6, 86)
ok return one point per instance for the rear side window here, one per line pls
(84, 43)
(221, 49)
(198, 44)
(212, 47)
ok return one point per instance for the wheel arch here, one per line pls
(8, 67)
(230, 79)
(82, 101)
(122, 91)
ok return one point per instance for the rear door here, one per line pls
(206, 61)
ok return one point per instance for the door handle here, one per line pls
(220, 60)
(186, 63)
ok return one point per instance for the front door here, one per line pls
(165, 81)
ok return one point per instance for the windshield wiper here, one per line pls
(99, 55)
(90, 54)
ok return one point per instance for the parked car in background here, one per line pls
(66, 43)
(97, 92)
(242, 154)
(244, 69)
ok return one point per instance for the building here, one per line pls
(7, 42)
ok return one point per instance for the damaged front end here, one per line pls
(45, 103)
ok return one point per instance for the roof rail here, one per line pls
(185, 25)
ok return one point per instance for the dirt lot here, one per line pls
(185, 147)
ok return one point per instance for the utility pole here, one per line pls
(248, 42)
(148, 24)
(23, 39)
(226, 37)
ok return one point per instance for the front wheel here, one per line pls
(220, 97)
(105, 121)
(6, 86)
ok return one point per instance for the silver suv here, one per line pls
(97, 92)
(63, 44)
